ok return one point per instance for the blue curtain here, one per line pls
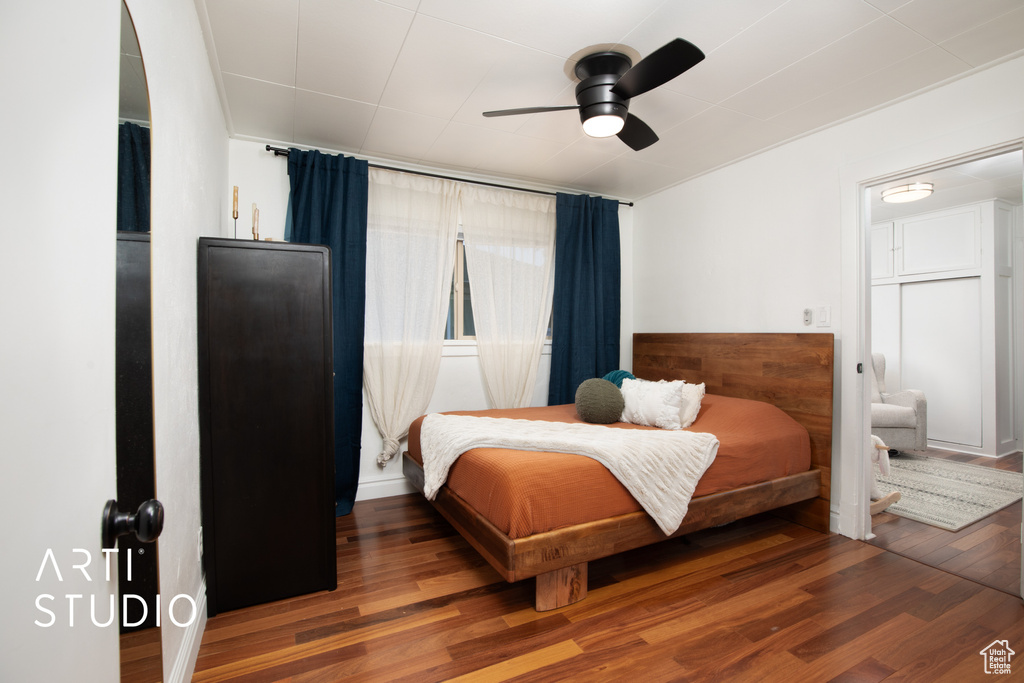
(585, 329)
(327, 205)
(132, 178)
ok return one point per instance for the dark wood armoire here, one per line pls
(266, 421)
(136, 472)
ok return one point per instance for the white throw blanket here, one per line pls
(660, 468)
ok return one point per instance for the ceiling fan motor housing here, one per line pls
(595, 97)
(598, 73)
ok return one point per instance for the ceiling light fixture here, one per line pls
(907, 193)
(603, 125)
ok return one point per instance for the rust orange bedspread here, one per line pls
(524, 492)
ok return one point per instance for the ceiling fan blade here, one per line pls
(637, 134)
(658, 68)
(529, 110)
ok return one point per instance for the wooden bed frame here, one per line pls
(791, 371)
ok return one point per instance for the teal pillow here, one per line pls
(616, 377)
(599, 401)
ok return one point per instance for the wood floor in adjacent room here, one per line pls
(987, 551)
(759, 600)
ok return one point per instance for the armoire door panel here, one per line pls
(136, 470)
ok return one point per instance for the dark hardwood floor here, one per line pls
(759, 600)
(141, 658)
(987, 551)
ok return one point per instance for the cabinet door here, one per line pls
(940, 355)
(938, 242)
(882, 251)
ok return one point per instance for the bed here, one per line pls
(792, 372)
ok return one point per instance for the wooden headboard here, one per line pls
(791, 371)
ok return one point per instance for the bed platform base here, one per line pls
(558, 558)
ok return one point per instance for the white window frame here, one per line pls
(458, 316)
(457, 312)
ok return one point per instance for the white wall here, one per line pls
(189, 174)
(263, 178)
(709, 257)
(748, 247)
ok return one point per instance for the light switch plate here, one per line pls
(824, 316)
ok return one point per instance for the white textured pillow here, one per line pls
(693, 394)
(652, 404)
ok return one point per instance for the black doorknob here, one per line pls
(146, 523)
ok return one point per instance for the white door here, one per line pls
(58, 66)
(941, 355)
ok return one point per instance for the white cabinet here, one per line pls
(928, 245)
(942, 313)
(883, 251)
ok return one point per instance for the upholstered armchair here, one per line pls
(899, 419)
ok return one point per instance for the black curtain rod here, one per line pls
(282, 152)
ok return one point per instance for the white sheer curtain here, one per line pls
(411, 232)
(509, 239)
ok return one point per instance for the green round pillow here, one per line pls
(599, 401)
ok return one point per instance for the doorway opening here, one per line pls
(945, 308)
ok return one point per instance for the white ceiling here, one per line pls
(999, 176)
(407, 80)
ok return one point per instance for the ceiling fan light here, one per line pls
(603, 125)
(907, 193)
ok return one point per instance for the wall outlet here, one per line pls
(200, 543)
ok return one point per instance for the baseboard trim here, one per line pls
(383, 488)
(184, 662)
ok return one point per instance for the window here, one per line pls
(460, 306)
(459, 324)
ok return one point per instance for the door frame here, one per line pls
(856, 179)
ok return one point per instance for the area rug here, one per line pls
(945, 493)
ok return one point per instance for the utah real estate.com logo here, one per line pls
(44, 601)
(997, 657)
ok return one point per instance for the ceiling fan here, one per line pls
(609, 80)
